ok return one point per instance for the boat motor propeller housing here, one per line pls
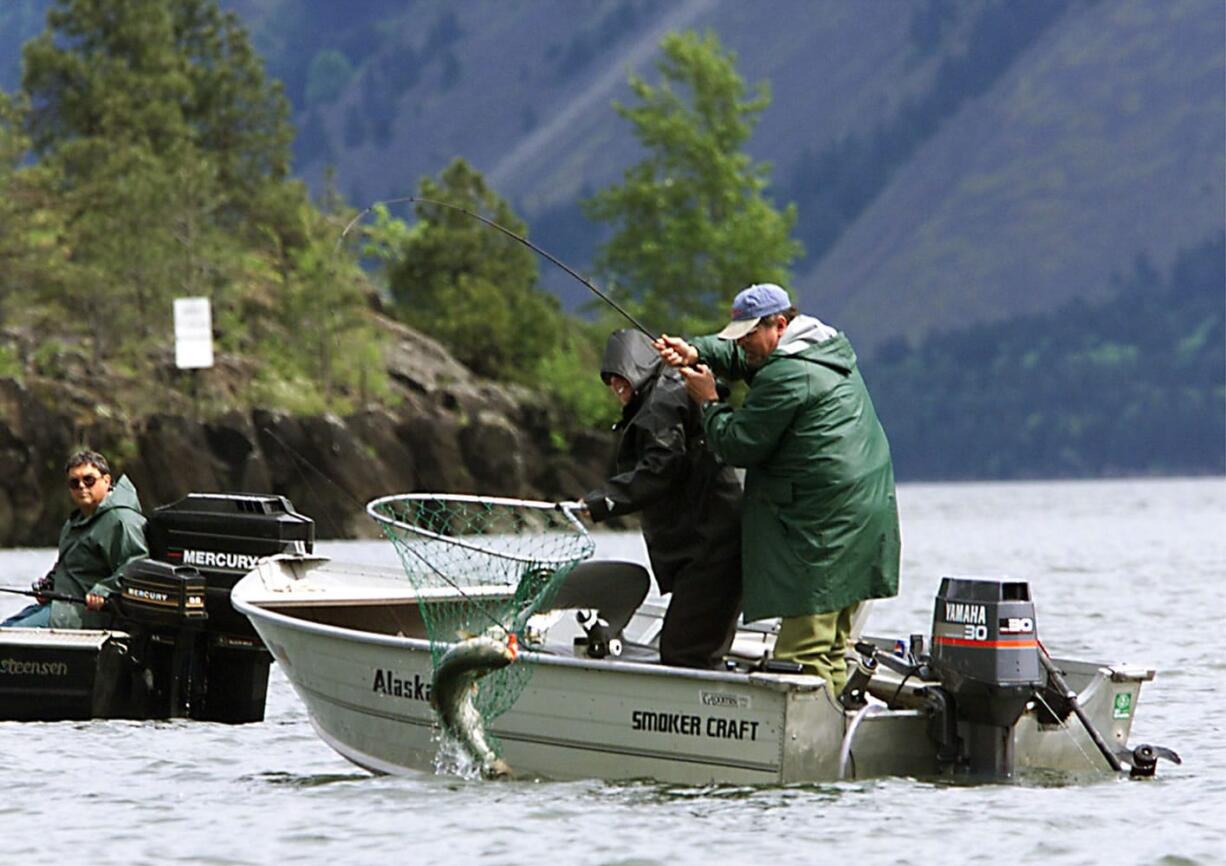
(985, 653)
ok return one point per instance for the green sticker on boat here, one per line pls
(1123, 706)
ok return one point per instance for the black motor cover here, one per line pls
(223, 674)
(223, 536)
(160, 594)
(984, 647)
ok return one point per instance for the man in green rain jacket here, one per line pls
(820, 521)
(104, 533)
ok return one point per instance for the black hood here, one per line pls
(629, 354)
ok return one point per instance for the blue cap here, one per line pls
(751, 304)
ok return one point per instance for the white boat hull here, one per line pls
(367, 694)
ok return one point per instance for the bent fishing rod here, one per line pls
(506, 231)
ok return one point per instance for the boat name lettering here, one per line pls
(27, 668)
(724, 699)
(666, 723)
(975, 614)
(387, 683)
(715, 727)
(731, 729)
(221, 559)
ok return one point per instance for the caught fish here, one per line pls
(455, 686)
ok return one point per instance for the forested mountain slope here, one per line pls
(953, 160)
(1106, 142)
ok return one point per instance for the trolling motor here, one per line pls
(1142, 761)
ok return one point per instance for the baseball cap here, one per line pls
(751, 304)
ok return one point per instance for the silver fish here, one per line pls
(455, 686)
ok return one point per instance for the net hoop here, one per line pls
(568, 509)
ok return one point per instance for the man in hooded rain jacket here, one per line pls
(104, 533)
(820, 527)
(690, 503)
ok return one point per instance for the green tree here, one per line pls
(692, 222)
(320, 339)
(468, 285)
(161, 159)
(33, 255)
(156, 73)
(14, 243)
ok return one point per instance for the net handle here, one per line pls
(568, 510)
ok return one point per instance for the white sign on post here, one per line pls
(193, 333)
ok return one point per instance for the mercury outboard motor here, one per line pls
(986, 655)
(199, 657)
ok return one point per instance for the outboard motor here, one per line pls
(199, 657)
(986, 655)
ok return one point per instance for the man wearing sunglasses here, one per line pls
(104, 533)
(819, 528)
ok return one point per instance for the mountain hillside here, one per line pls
(953, 161)
(524, 91)
(1107, 142)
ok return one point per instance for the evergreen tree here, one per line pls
(162, 152)
(693, 225)
(471, 286)
(159, 74)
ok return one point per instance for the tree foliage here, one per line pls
(692, 222)
(471, 286)
(156, 161)
(1137, 383)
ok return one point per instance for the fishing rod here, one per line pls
(50, 596)
(506, 231)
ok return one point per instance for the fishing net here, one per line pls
(481, 563)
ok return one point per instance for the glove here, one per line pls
(46, 583)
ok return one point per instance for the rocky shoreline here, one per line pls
(449, 431)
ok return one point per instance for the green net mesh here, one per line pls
(478, 563)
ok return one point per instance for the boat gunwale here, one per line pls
(783, 682)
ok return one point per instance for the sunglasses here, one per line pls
(86, 481)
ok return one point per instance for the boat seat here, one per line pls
(614, 589)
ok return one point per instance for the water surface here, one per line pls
(1120, 571)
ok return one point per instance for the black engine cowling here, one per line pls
(204, 659)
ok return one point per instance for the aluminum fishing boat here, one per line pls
(984, 701)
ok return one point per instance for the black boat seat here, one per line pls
(614, 589)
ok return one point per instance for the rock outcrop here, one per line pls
(445, 431)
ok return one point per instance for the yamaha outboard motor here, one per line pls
(985, 654)
(200, 658)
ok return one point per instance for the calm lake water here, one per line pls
(1120, 570)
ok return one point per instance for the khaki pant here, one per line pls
(819, 642)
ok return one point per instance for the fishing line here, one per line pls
(1064, 726)
(506, 231)
(298, 457)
